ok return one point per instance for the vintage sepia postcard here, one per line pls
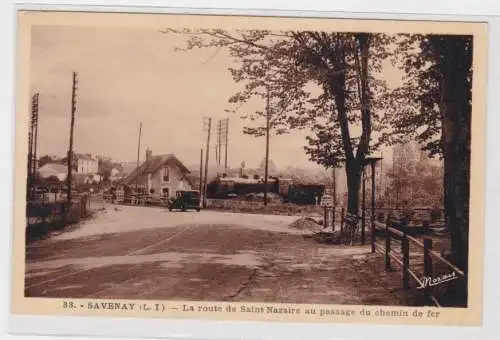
(249, 168)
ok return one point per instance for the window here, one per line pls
(166, 174)
(164, 192)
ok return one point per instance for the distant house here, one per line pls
(53, 170)
(86, 164)
(160, 175)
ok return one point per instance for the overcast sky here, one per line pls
(128, 76)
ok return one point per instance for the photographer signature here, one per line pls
(428, 281)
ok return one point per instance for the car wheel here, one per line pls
(169, 209)
(198, 209)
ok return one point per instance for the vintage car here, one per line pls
(185, 200)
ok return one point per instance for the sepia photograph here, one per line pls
(250, 163)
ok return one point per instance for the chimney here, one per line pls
(149, 154)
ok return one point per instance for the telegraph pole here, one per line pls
(138, 157)
(32, 140)
(219, 142)
(201, 170)
(206, 163)
(35, 138)
(226, 133)
(71, 133)
(267, 148)
(30, 159)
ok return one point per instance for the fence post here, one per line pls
(405, 249)
(428, 270)
(388, 243)
(325, 218)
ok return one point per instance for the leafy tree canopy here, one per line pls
(314, 80)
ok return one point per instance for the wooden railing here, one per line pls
(429, 259)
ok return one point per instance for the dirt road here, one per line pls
(150, 253)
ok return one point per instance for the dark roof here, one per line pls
(154, 164)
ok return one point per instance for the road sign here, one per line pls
(328, 191)
(327, 201)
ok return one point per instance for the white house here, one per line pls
(86, 164)
(161, 175)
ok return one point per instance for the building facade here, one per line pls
(86, 164)
(160, 175)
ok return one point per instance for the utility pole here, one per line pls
(226, 133)
(138, 157)
(216, 154)
(201, 170)
(32, 137)
(35, 140)
(30, 159)
(209, 128)
(35, 137)
(71, 135)
(219, 142)
(266, 167)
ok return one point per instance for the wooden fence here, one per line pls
(415, 258)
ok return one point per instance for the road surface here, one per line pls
(129, 252)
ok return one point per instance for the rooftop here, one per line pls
(153, 164)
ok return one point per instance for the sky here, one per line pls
(130, 76)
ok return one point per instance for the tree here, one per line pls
(437, 97)
(105, 167)
(412, 181)
(294, 67)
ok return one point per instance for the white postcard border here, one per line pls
(228, 330)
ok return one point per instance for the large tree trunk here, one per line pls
(353, 173)
(455, 54)
(337, 86)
